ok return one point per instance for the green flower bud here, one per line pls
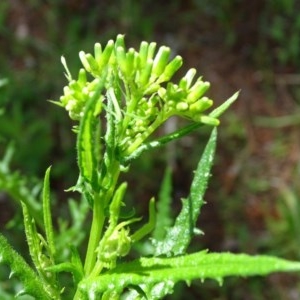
(121, 58)
(206, 120)
(98, 52)
(120, 41)
(182, 106)
(183, 84)
(130, 55)
(171, 69)
(106, 54)
(197, 91)
(145, 73)
(93, 64)
(84, 61)
(160, 61)
(151, 50)
(143, 54)
(82, 77)
(201, 105)
(189, 76)
(74, 85)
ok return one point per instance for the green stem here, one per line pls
(95, 234)
(100, 203)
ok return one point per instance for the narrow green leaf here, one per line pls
(186, 220)
(32, 284)
(148, 272)
(47, 214)
(223, 107)
(149, 226)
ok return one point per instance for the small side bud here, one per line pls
(182, 106)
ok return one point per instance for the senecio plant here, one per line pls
(119, 99)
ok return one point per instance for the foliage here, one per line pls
(119, 99)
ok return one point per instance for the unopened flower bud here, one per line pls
(171, 69)
(82, 77)
(201, 105)
(84, 61)
(143, 54)
(151, 50)
(106, 54)
(120, 41)
(130, 55)
(182, 106)
(161, 60)
(98, 52)
(206, 120)
(121, 58)
(189, 76)
(197, 91)
(146, 73)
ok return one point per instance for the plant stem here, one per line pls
(101, 201)
(95, 234)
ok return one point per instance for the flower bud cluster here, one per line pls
(118, 245)
(148, 97)
(186, 99)
(77, 93)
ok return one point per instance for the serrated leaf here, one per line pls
(147, 272)
(87, 145)
(32, 284)
(186, 220)
(32, 236)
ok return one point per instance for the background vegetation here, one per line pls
(253, 203)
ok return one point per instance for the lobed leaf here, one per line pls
(148, 272)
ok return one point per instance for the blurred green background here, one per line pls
(253, 202)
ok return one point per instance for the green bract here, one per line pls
(138, 84)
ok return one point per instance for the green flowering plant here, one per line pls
(119, 99)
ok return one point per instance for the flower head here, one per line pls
(139, 86)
